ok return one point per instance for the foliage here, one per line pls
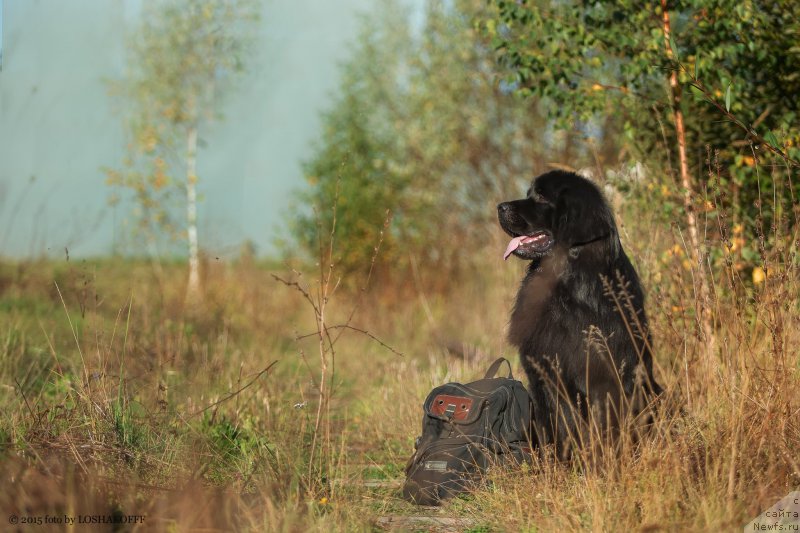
(182, 59)
(355, 174)
(601, 57)
(440, 144)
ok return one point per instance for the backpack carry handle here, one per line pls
(490, 373)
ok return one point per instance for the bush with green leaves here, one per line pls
(739, 60)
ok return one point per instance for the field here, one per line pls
(233, 412)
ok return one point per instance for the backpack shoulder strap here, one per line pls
(490, 373)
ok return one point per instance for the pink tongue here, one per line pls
(513, 245)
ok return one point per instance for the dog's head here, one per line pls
(561, 209)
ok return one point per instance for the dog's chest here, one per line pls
(534, 298)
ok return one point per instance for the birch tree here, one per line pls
(182, 59)
(636, 61)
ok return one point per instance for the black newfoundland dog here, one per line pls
(579, 319)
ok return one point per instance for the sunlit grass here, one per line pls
(120, 399)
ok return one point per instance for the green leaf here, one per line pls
(771, 139)
(728, 98)
(491, 27)
(698, 94)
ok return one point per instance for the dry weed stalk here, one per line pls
(321, 450)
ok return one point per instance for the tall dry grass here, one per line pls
(727, 450)
(121, 400)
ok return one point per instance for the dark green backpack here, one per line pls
(465, 429)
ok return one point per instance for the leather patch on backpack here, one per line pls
(452, 407)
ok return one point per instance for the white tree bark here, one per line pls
(193, 288)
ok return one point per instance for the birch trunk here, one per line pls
(193, 288)
(687, 183)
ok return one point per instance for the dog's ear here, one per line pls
(581, 221)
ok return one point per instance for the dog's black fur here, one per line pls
(587, 356)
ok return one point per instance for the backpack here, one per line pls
(465, 429)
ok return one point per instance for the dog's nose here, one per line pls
(503, 208)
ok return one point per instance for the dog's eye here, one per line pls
(539, 199)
